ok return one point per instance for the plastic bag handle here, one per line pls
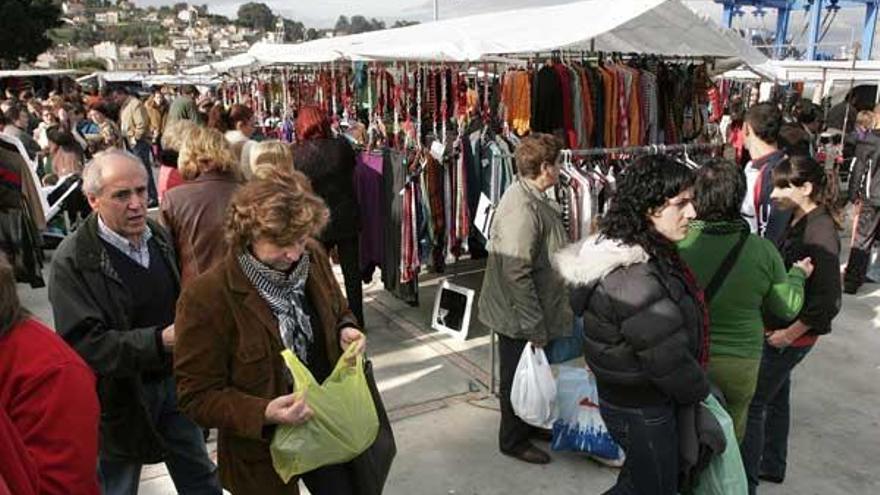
(303, 378)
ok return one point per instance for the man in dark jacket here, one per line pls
(127, 335)
(864, 192)
(761, 128)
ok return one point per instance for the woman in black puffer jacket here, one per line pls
(644, 319)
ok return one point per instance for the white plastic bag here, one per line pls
(533, 394)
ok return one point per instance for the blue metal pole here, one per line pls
(868, 32)
(727, 15)
(815, 20)
(783, 16)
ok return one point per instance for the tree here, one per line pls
(24, 29)
(311, 34)
(257, 16)
(293, 31)
(398, 24)
(342, 26)
(360, 24)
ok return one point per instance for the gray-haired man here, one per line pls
(113, 287)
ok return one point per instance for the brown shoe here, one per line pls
(530, 454)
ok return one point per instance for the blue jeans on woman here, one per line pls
(765, 446)
(649, 437)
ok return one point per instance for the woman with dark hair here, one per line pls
(802, 186)
(237, 126)
(110, 135)
(645, 323)
(329, 161)
(737, 290)
(48, 406)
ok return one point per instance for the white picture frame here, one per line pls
(452, 310)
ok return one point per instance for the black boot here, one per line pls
(856, 269)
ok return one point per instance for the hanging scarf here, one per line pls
(285, 295)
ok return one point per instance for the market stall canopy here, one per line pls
(808, 71)
(37, 73)
(241, 61)
(661, 27)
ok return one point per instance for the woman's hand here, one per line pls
(779, 339)
(806, 265)
(352, 336)
(288, 410)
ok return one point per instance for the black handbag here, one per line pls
(370, 469)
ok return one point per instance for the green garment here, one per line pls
(756, 283)
(737, 378)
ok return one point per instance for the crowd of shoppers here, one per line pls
(715, 280)
(115, 290)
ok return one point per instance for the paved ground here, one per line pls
(446, 422)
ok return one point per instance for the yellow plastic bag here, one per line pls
(344, 424)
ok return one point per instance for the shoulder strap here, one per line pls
(726, 265)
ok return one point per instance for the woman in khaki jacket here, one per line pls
(523, 298)
(273, 291)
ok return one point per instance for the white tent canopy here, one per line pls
(662, 27)
(241, 61)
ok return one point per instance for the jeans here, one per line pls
(143, 150)
(765, 446)
(649, 437)
(187, 458)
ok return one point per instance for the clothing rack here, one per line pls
(653, 149)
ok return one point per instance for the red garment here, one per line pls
(47, 393)
(567, 110)
(169, 178)
(805, 340)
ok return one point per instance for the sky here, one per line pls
(323, 13)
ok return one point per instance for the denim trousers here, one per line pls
(187, 458)
(765, 446)
(649, 437)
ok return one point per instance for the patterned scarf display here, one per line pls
(285, 295)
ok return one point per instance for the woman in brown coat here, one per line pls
(273, 291)
(194, 212)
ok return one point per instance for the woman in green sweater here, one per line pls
(755, 283)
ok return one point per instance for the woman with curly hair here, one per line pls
(645, 321)
(274, 290)
(194, 212)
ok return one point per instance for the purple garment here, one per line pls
(368, 188)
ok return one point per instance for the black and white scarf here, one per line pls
(286, 297)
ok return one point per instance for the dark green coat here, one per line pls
(91, 309)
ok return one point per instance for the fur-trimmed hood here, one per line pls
(591, 259)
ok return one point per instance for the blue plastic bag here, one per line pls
(567, 348)
(725, 474)
(580, 427)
